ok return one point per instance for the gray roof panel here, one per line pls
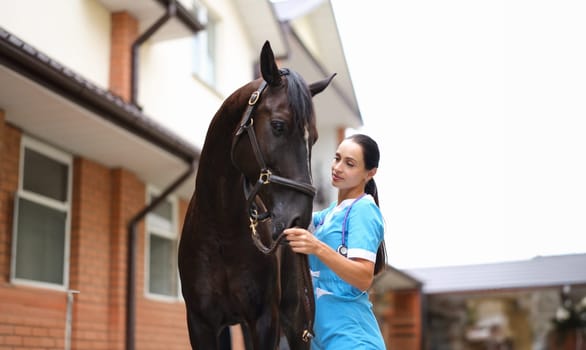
(539, 272)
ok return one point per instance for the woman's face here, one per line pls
(348, 171)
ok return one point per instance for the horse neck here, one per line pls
(216, 176)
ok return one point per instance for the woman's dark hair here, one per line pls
(371, 156)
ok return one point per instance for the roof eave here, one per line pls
(26, 60)
(261, 24)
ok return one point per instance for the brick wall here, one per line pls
(159, 325)
(103, 201)
(30, 318)
(9, 153)
(124, 32)
(399, 314)
(90, 260)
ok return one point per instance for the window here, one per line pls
(40, 248)
(204, 65)
(163, 276)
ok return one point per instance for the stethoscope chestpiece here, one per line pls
(343, 250)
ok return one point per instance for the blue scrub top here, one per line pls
(344, 318)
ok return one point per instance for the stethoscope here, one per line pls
(342, 248)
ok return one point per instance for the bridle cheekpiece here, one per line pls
(266, 176)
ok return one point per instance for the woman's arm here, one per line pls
(357, 272)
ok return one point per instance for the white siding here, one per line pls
(172, 95)
(322, 156)
(76, 33)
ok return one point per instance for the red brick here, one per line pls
(103, 202)
(123, 33)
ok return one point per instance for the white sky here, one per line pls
(479, 109)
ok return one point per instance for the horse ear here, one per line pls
(320, 86)
(268, 66)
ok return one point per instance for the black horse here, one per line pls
(253, 181)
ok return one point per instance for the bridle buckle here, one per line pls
(254, 98)
(265, 176)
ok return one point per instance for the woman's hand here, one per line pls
(302, 241)
(357, 272)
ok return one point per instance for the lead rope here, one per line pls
(264, 178)
(307, 298)
(256, 239)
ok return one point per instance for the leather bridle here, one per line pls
(266, 176)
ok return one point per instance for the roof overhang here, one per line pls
(316, 51)
(335, 107)
(53, 104)
(258, 17)
(262, 24)
(539, 272)
(392, 279)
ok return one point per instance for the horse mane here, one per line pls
(298, 95)
(300, 99)
(227, 118)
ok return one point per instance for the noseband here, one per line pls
(266, 176)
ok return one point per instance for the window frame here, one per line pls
(207, 69)
(173, 233)
(61, 157)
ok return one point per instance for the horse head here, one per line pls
(272, 146)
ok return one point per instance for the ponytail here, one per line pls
(371, 155)
(381, 253)
(370, 188)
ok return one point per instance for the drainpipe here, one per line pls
(69, 318)
(423, 305)
(131, 263)
(170, 11)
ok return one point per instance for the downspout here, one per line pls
(131, 263)
(170, 11)
(423, 305)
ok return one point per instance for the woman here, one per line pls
(346, 251)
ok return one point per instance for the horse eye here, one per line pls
(278, 127)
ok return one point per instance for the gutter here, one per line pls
(184, 15)
(38, 67)
(172, 9)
